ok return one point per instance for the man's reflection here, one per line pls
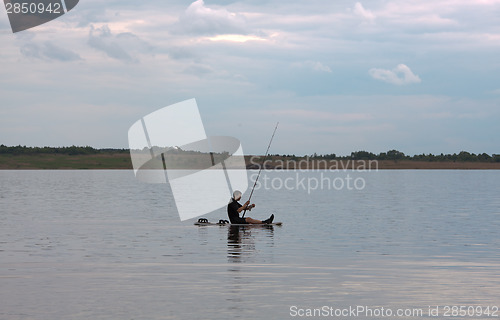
(241, 242)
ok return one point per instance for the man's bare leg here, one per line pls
(252, 221)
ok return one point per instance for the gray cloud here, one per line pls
(54, 52)
(102, 40)
(86, 17)
(134, 43)
(4, 25)
(198, 69)
(48, 51)
(180, 53)
(123, 46)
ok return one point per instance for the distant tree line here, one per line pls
(463, 156)
(73, 150)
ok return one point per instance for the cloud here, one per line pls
(181, 53)
(114, 46)
(236, 38)
(360, 11)
(102, 40)
(420, 17)
(315, 115)
(401, 75)
(93, 15)
(48, 51)
(201, 20)
(198, 69)
(313, 65)
(437, 115)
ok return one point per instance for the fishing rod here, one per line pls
(265, 157)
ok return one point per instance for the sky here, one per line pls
(340, 76)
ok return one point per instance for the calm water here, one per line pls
(100, 245)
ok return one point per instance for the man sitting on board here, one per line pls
(234, 209)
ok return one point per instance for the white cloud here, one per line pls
(400, 75)
(314, 65)
(437, 115)
(419, 16)
(360, 11)
(315, 115)
(235, 38)
(199, 19)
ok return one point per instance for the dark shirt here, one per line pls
(232, 212)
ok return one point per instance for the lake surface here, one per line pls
(101, 245)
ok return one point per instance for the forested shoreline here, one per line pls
(462, 156)
(75, 157)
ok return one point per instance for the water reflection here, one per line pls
(241, 241)
(242, 245)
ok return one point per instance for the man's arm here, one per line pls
(246, 206)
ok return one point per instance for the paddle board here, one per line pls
(205, 222)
